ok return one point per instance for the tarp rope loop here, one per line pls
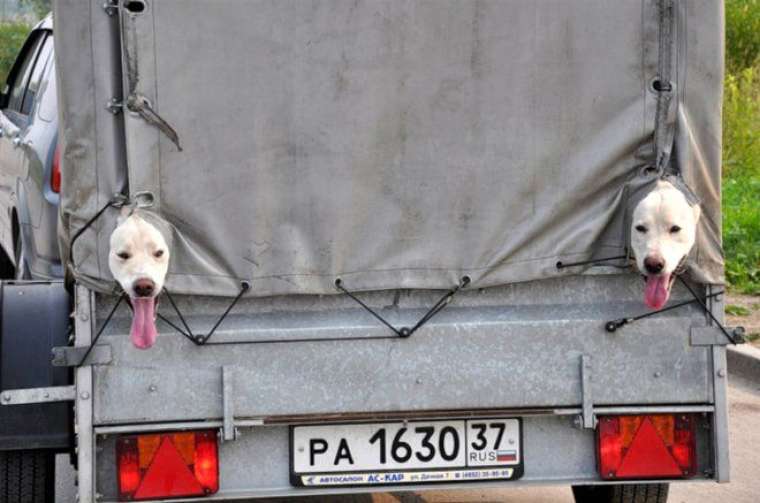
(405, 332)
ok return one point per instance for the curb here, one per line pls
(744, 361)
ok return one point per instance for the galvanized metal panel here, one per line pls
(473, 355)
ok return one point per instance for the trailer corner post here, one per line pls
(85, 442)
(720, 416)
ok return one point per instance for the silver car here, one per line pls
(29, 162)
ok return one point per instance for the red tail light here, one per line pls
(55, 172)
(647, 446)
(166, 465)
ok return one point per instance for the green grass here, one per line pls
(742, 34)
(12, 36)
(741, 146)
(741, 232)
(735, 310)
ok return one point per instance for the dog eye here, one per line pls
(124, 255)
(158, 253)
(641, 228)
(674, 229)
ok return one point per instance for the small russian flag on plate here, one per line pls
(506, 456)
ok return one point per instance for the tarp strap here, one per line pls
(139, 104)
(201, 339)
(665, 87)
(404, 332)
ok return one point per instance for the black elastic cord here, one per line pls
(406, 331)
(116, 202)
(707, 310)
(102, 329)
(562, 265)
(613, 325)
(189, 333)
(440, 305)
(339, 286)
(198, 339)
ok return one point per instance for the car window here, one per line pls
(47, 96)
(34, 81)
(18, 87)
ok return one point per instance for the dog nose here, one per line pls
(654, 265)
(144, 287)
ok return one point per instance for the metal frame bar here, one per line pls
(85, 443)
(254, 423)
(38, 395)
(720, 416)
(589, 420)
(228, 405)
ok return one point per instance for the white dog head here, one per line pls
(139, 260)
(663, 230)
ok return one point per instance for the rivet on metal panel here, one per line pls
(115, 106)
(111, 7)
(578, 422)
(84, 395)
(658, 374)
(152, 388)
(721, 372)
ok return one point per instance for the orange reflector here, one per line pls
(647, 446)
(154, 466)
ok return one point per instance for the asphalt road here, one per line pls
(744, 398)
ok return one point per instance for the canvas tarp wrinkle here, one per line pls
(396, 144)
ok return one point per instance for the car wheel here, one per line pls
(622, 493)
(22, 267)
(27, 476)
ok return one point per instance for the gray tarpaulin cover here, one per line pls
(393, 144)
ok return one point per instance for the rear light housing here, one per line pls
(650, 446)
(167, 465)
(55, 171)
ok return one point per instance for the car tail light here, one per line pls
(55, 172)
(647, 446)
(165, 465)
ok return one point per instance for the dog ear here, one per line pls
(125, 212)
(697, 212)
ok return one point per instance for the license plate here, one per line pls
(413, 452)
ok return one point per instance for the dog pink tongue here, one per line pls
(656, 293)
(143, 329)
